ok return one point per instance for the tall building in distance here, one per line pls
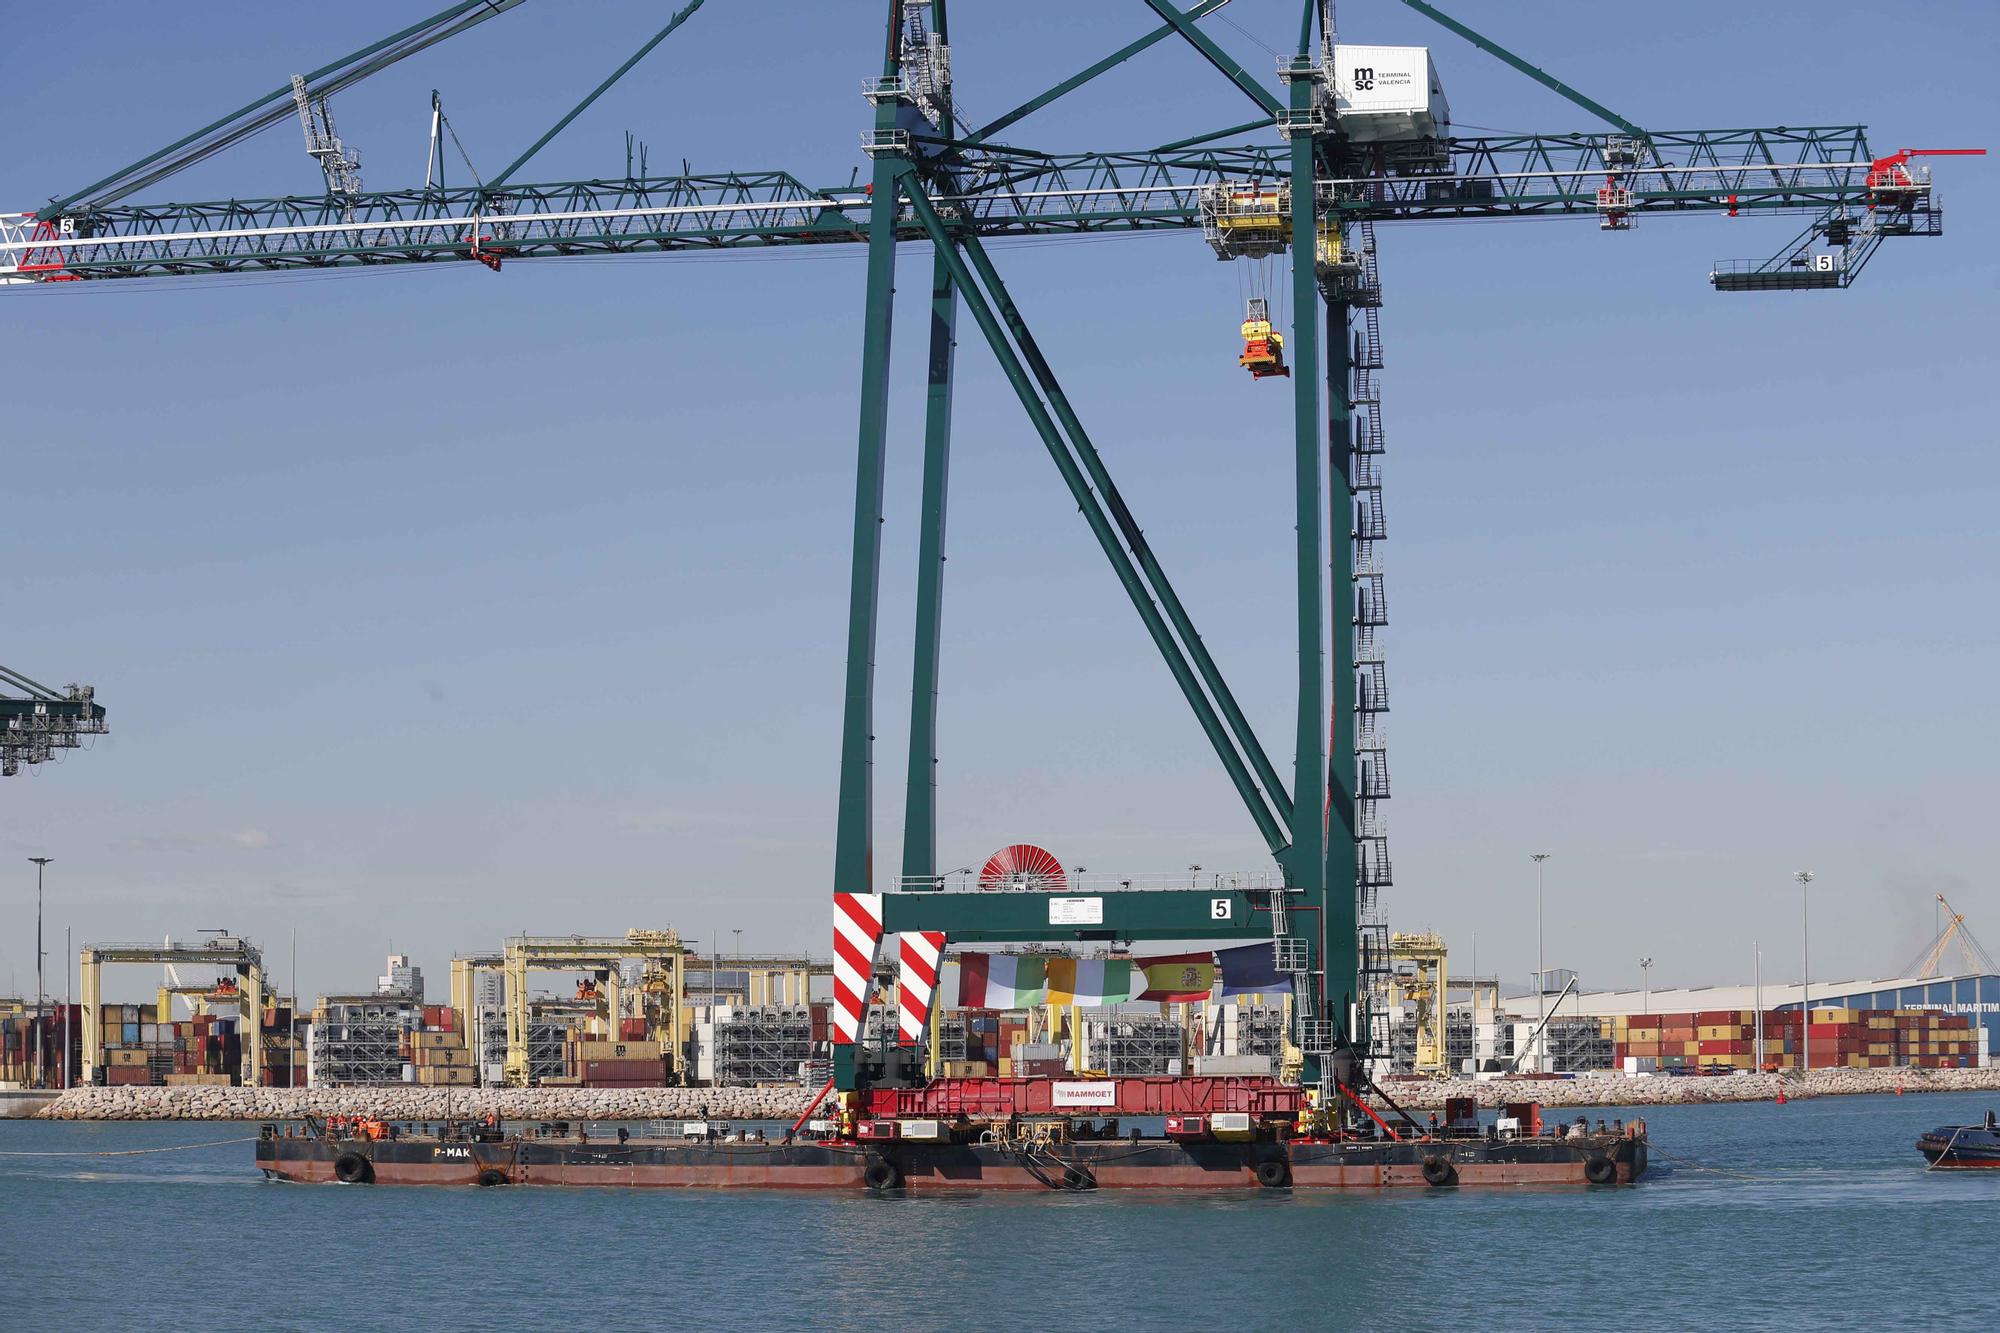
(401, 978)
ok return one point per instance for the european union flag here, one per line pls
(1251, 970)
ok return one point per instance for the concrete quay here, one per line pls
(23, 1103)
(1610, 1090)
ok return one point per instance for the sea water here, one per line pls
(1815, 1215)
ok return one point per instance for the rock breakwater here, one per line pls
(428, 1103)
(403, 1102)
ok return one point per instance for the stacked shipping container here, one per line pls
(1846, 1038)
(616, 1064)
(436, 1054)
(19, 1044)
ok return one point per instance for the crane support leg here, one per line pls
(1343, 878)
(1304, 862)
(1189, 676)
(920, 808)
(854, 832)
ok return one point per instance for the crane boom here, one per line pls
(999, 192)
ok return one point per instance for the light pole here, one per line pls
(1757, 982)
(738, 946)
(1541, 975)
(41, 864)
(1646, 996)
(1805, 877)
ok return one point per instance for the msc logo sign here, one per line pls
(1364, 78)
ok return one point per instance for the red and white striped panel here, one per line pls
(922, 955)
(857, 929)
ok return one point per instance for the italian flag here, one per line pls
(1089, 981)
(1000, 981)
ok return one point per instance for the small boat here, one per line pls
(1961, 1146)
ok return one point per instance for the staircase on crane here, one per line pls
(1370, 600)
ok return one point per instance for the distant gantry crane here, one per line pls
(1350, 137)
(1971, 952)
(36, 721)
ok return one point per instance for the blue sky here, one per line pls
(432, 605)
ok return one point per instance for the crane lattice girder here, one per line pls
(240, 954)
(1029, 917)
(994, 191)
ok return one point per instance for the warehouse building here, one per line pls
(1975, 995)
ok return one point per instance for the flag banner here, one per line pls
(1000, 981)
(1251, 970)
(1175, 978)
(1091, 982)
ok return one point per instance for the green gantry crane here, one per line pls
(1335, 147)
(36, 721)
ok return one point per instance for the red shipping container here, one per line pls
(1728, 1047)
(631, 1029)
(653, 1070)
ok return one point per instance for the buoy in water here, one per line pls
(1781, 1096)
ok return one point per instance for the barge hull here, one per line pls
(954, 1168)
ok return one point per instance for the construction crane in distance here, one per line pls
(1970, 951)
(1350, 137)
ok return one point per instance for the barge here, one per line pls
(930, 1157)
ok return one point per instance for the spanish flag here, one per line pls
(1177, 978)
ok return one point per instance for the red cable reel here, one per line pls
(1022, 866)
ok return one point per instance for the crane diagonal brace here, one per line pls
(1219, 58)
(276, 105)
(1081, 77)
(1535, 72)
(1187, 676)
